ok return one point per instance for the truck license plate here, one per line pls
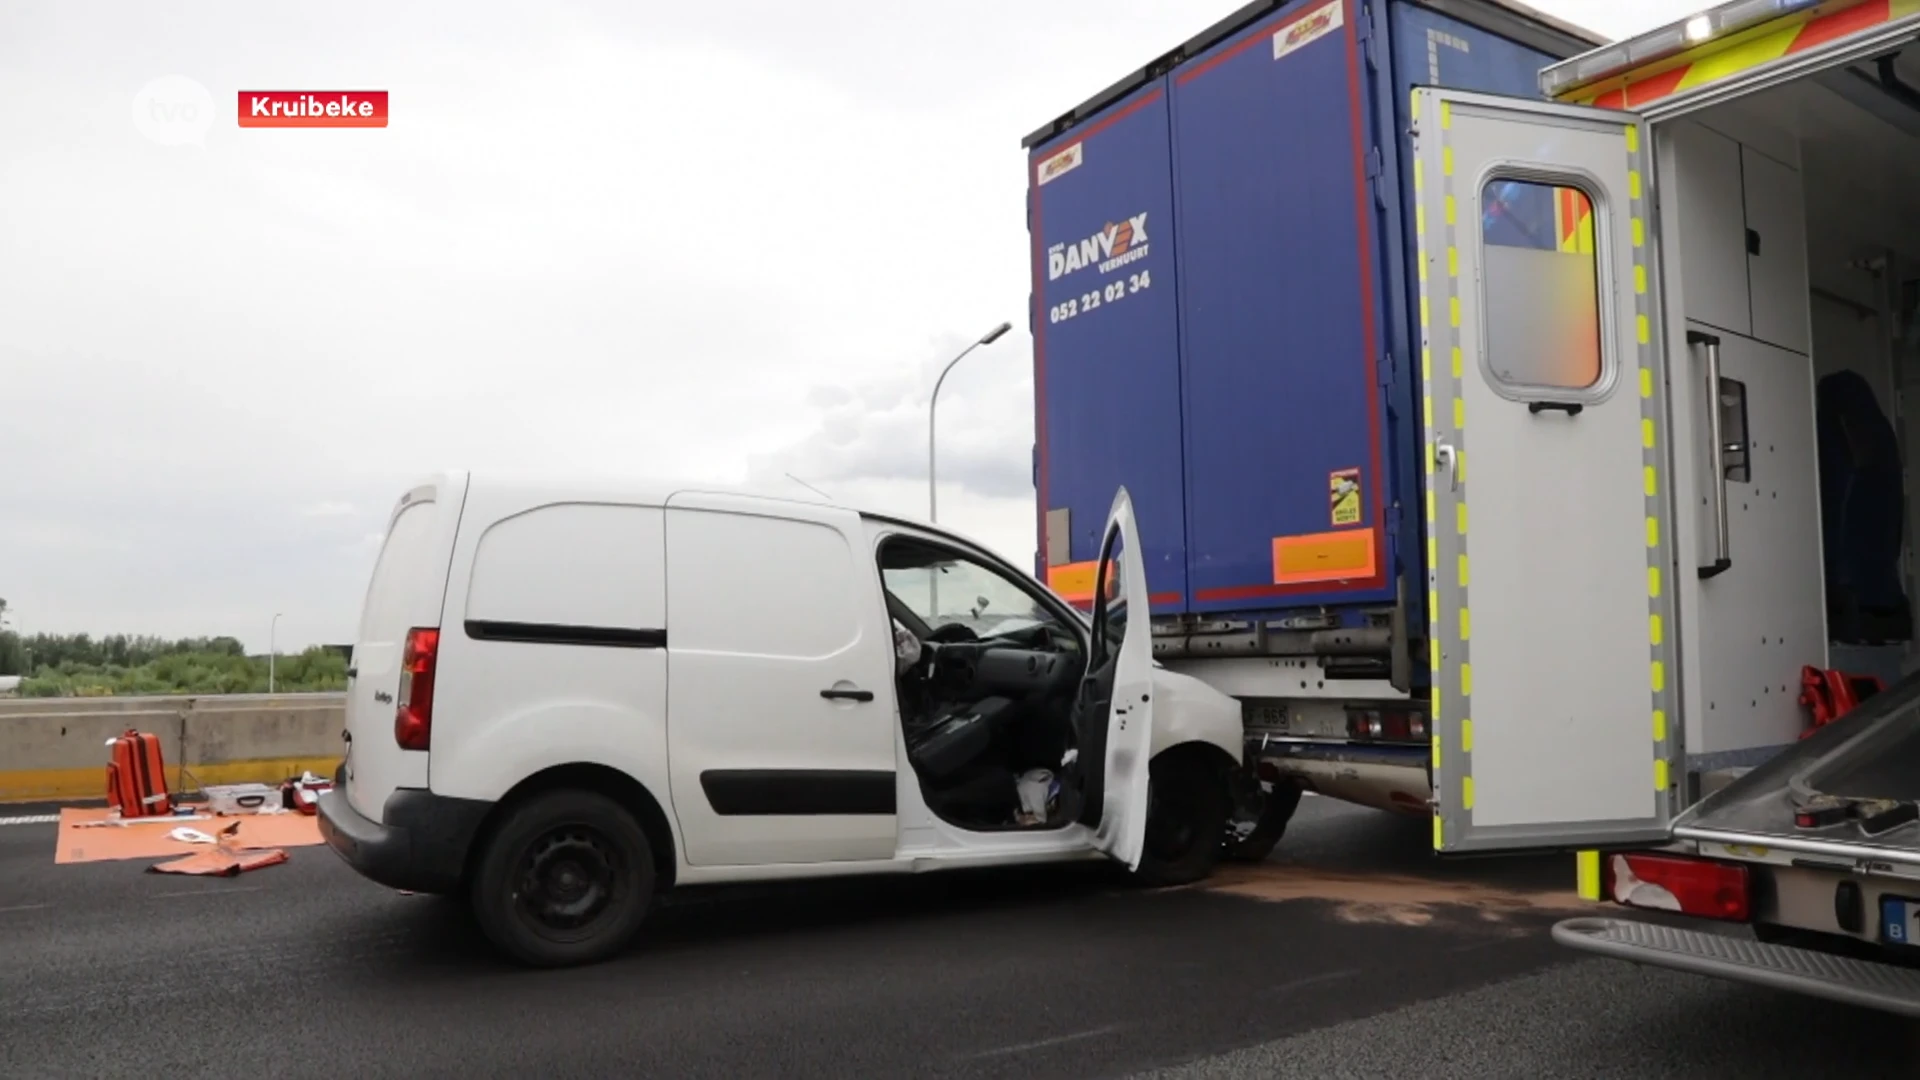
(1267, 716)
(1899, 920)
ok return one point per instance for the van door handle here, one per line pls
(847, 695)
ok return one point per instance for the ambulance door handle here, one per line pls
(1449, 459)
(1722, 553)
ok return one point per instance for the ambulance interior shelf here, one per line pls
(1856, 780)
(1869, 782)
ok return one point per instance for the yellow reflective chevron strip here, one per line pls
(1587, 874)
(1738, 54)
(1450, 620)
(1652, 462)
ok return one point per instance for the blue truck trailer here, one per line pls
(1224, 314)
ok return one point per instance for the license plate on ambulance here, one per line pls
(1899, 920)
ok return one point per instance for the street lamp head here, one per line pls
(994, 334)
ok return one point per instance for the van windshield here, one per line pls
(943, 587)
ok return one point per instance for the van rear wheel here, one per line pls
(566, 879)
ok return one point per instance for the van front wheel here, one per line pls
(565, 879)
(1187, 808)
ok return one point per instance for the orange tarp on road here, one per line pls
(149, 840)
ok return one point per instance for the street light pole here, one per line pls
(933, 495)
(273, 648)
(933, 483)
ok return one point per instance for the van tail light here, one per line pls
(1711, 890)
(413, 708)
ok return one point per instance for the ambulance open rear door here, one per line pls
(1547, 502)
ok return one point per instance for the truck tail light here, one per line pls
(413, 706)
(1712, 890)
(1392, 725)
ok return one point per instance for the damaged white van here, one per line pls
(567, 697)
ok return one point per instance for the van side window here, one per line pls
(581, 565)
(1540, 292)
(942, 587)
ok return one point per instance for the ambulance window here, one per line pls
(1540, 274)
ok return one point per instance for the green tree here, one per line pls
(79, 666)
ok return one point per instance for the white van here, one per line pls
(568, 696)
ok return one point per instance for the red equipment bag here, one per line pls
(137, 776)
(1830, 695)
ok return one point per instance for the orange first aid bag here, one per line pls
(137, 776)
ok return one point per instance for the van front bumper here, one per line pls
(420, 844)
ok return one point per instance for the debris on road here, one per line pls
(1378, 897)
(218, 863)
(83, 837)
(227, 859)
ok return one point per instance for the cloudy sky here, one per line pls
(726, 242)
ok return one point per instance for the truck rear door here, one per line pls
(1546, 473)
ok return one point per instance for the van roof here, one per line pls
(654, 490)
(632, 487)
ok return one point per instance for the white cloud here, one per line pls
(328, 509)
(701, 240)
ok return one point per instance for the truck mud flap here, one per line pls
(1782, 967)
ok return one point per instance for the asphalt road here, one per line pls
(1334, 960)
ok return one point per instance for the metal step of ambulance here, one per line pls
(1782, 967)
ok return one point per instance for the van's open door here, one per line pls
(1115, 708)
(1548, 541)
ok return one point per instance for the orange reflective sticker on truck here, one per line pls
(1073, 581)
(1348, 555)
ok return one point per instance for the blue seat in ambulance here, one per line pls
(1863, 514)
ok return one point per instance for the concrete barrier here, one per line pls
(54, 749)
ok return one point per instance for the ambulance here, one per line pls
(1667, 489)
(1517, 425)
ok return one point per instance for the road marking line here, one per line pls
(22, 907)
(211, 891)
(1057, 1040)
(1325, 976)
(30, 819)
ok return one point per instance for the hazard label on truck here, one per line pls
(1305, 31)
(1343, 495)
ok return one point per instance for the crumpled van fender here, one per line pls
(1186, 710)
